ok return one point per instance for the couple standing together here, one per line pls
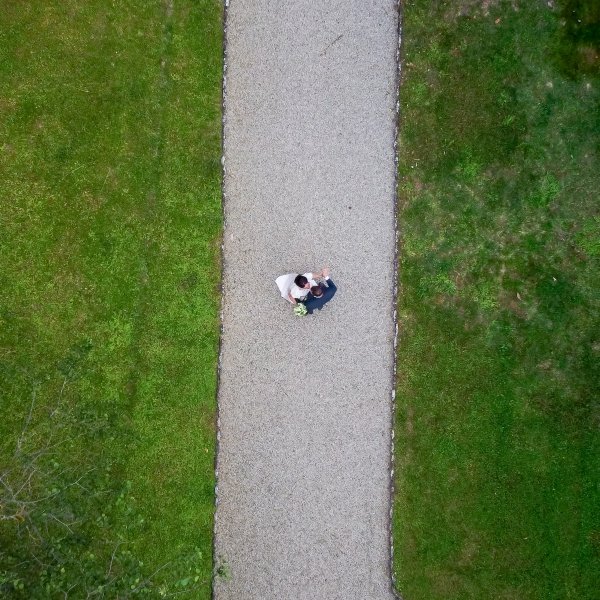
(305, 289)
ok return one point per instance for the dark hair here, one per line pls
(300, 281)
(316, 291)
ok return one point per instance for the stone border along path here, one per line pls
(305, 403)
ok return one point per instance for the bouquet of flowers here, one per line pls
(300, 310)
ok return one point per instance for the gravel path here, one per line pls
(305, 402)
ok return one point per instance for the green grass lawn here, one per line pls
(497, 445)
(109, 292)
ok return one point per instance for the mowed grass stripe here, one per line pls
(497, 403)
(111, 220)
(174, 412)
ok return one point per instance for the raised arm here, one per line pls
(331, 287)
(322, 274)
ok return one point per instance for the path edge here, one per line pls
(397, 236)
(215, 559)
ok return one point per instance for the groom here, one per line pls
(320, 294)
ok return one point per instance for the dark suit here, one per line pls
(312, 303)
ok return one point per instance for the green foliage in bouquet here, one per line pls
(300, 310)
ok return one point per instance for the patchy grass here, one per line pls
(497, 405)
(111, 219)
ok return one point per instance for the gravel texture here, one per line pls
(305, 403)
